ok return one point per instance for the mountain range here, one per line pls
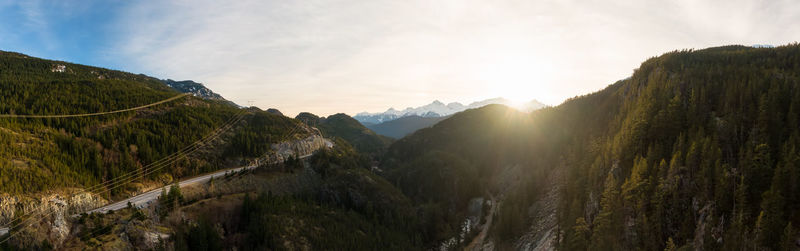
(401, 127)
(439, 109)
(696, 150)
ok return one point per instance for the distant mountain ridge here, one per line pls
(439, 109)
(196, 89)
(401, 127)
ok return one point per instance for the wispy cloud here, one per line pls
(31, 20)
(349, 56)
(65, 30)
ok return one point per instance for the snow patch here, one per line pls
(439, 109)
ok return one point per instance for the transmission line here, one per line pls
(96, 113)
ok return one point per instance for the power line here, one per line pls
(96, 113)
(167, 161)
(123, 181)
(155, 166)
(169, 207)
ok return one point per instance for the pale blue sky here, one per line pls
(351, 56)
(77, 31)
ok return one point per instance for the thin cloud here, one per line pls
(351, 56)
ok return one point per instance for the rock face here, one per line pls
(8, 206)
(196, 89)
(47, 204)
(285, 150)
(542, 234)
(49, 212)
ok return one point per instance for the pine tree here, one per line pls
(670, 246)
(787, 238)
(770, 223)
(163, 198)
(175, 195)
(771, 220)
(757, 175)
(579, 240)
(608, 223)
(633, 189)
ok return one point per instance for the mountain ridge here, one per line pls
(342, 126)
(401, 127)
(440, 109)
(201, 91)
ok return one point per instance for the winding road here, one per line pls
(148, 197)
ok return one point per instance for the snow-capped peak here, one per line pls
(438, 109)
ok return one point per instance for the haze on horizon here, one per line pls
(349, 56)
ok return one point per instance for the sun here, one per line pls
(518, 99)
(515, 75)
(518, 87)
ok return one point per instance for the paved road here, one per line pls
(148, 197)
(144, 199)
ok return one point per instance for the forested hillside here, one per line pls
(345, 127)
(476, 153)
(329, 202)
(49, 153)
(696, 149)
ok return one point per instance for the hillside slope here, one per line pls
(196, 89)
(342, 126)
(478, 153)
(323, 203)
(48, 154)
(697, 149)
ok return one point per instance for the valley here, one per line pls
(399, 125)
(696, 150)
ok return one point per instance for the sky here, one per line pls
(349, 56)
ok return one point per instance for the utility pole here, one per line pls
(250, 103)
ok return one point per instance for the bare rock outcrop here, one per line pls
(47, 213)
(297, 148)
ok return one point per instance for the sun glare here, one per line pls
(518, 99)
(515, 71)
(517, 78)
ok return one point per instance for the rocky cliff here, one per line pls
(47, 211)
(297, 148)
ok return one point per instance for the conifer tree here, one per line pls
(579, 240)
(607, 226)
